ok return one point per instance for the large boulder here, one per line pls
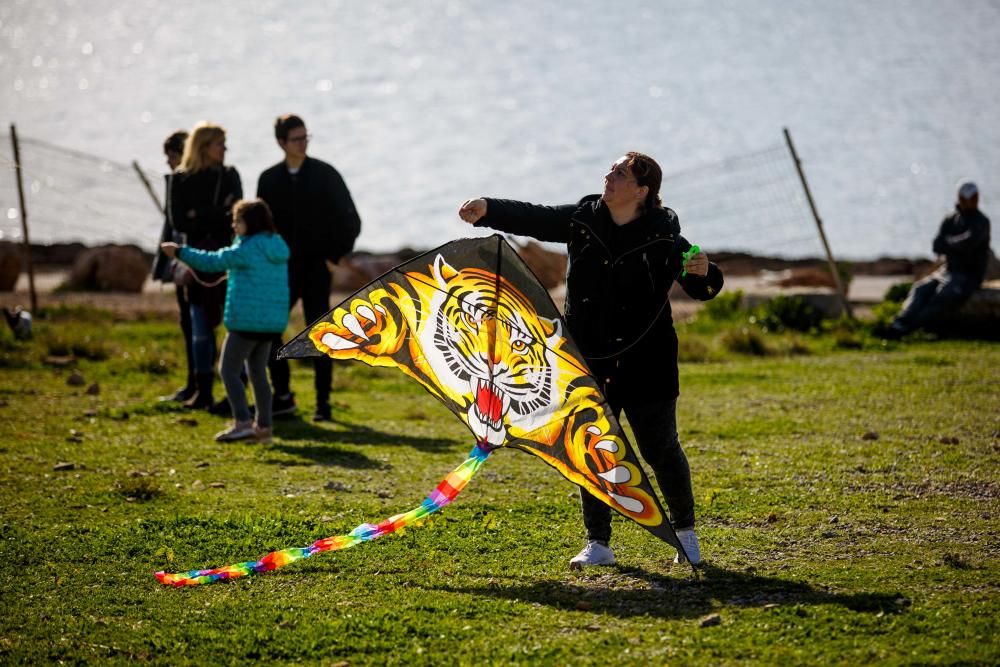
(110, 268)
(978, 318)
(827, 303)
(807, 276)
(980, 315)
(358, 269)
(549, 266)
(992, 267)
(10, 266)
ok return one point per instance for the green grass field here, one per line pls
(848, 501)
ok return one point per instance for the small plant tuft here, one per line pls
(139, 488)
(692, 350)
(745, 340)
(726, 307)
(788, 312)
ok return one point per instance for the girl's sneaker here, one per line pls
(263, 434)
(236, 431)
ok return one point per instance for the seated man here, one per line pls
(964, 240)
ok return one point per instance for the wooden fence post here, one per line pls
(841, 289)
(24, 219)
(149, 186)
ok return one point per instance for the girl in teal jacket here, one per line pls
(256, 310)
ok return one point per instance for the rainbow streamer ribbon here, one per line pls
(442, 495)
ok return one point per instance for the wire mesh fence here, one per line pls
(73, 196)
(750, 203)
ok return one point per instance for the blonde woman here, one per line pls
(202, 201)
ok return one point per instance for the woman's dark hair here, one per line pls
(285, 124)
(646, 172)
(175, 142)
(256, 214)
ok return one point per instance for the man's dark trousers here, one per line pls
(309, 281)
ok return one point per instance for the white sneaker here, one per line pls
(236, 431)
(690, 543)
(594, 553)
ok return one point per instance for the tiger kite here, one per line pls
(470, 322)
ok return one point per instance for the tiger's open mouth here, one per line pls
(487, 412)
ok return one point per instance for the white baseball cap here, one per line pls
(967, 190)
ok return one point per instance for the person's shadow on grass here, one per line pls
(607, 591)
(312, 443)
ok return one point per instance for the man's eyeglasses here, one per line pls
(305, 138)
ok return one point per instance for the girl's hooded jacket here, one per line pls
(257, 295)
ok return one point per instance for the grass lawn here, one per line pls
(848, 502)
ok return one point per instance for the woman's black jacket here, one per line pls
(617, 285)
(210, 194)
(201, 206)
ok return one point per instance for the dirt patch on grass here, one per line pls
(972, 489)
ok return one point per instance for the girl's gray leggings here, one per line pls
(237, 349)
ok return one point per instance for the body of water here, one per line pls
(422, 105)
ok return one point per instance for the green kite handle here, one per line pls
(692, 251)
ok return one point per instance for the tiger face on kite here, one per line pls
(475, 341)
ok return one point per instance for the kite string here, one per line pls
(442, 495)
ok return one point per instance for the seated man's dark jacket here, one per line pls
(617, 284)
(964, 240)
(313, 211)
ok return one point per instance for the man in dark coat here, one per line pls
(316, 216)
(964, 240)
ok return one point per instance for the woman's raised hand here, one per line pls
(472, 210)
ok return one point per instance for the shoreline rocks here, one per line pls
(125, 268)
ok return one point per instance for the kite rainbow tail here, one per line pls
(443, 494)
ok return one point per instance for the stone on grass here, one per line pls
(336, 486)
(710, 620)
(60, 361)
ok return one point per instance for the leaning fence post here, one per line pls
(149, 187)
(841, 290)
(24, 219)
